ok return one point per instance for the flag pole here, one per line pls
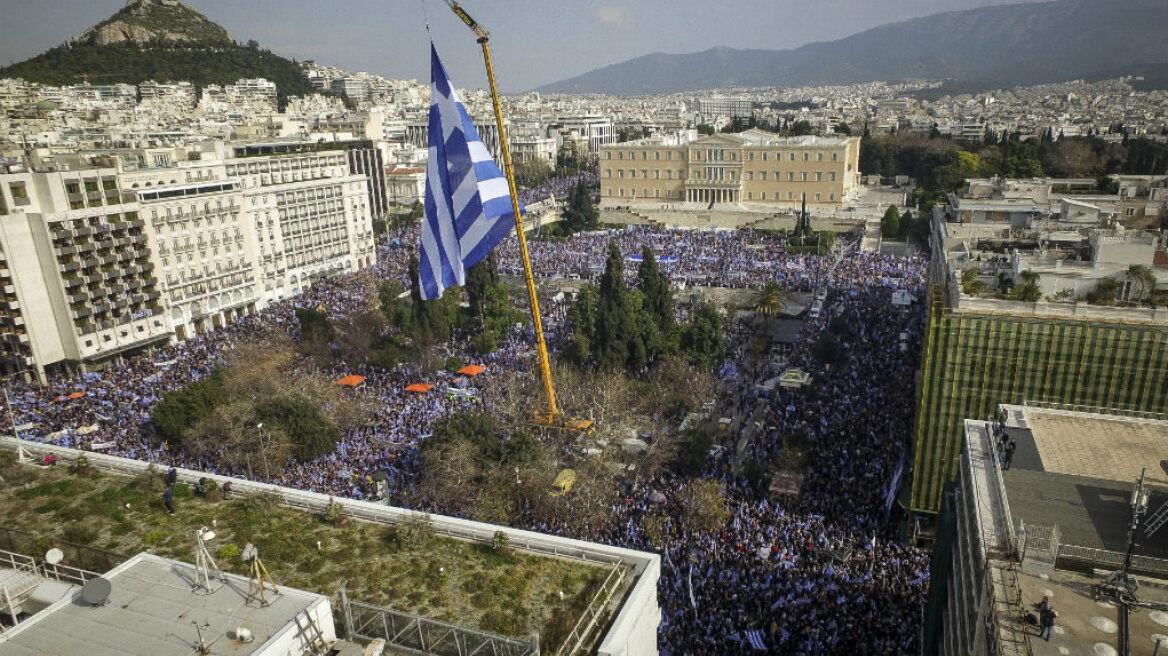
(550, 412)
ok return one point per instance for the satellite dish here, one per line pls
(249, 552)
(96, 591)
(54, 556)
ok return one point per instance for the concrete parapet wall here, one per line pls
(633, 632)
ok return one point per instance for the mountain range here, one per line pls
(989, 47)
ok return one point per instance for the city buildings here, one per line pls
(750, 167)
(80, 279)
(114, 254)
(1036, 298)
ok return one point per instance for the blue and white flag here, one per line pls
(755, 639)
(468, 204)
(894, 486)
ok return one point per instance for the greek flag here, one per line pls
(468, 204)
(893, 486)
(755, 639)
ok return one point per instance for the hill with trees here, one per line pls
(162, 41)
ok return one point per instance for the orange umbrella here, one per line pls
(472, 369)
(420, 388)
(352, 380)
(76, 395)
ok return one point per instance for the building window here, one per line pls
(750, 195)
(632, 173)
(763, 174)
(750, 175)
(831, 196)
(620, 173)
(751, 157)
(819, 176)
(806, 157)
(608, 173)
(831, 176)
(607, 155)
(790, 176)
(817, 197)
(656, 155)
(804, 175)
(792, 157)
(819, 157)
(764, 156)
(764, 195)
(620, 192)
(835, 157)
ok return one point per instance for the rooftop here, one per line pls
(153, 610)
(1076, 470)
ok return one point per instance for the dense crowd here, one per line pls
(813, 573)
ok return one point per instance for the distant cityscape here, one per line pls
(864, 369)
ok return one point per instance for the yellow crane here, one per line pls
(549, 414)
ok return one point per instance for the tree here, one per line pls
(614, 323)
(582, 319)
(704, 506)
(705, 129)
(311, 432)
(1105, 293)
(1143, 282)
(703, 340)
(658, 299)
(579, 213)
(314, 326)
(770, 300)
(430, 319)
(478, 278)
(802, 128)
(389, 301)
(532, 172)
(181, 409)
(890, 224)
(694, 448)
(1028, 290)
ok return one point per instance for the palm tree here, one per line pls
(770, 300)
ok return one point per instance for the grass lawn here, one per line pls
(403, 567)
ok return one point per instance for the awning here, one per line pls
(419, 388)
(472, 370)
(352, 380)
(76, 395)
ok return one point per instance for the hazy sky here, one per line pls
(533, 42)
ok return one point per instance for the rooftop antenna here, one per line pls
(258, 577)
(203, 560)
(96, 591)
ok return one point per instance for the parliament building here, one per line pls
(752, 167)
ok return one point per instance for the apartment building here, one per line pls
(79, 283)
(750, 167)
(200, 237)
(311, 215)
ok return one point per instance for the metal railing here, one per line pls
(421, 635)
(1093, 409)
(1112, 559)
(578, 637)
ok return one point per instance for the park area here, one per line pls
(405, 567)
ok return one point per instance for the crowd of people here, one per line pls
(734, 259)
(812, 573)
